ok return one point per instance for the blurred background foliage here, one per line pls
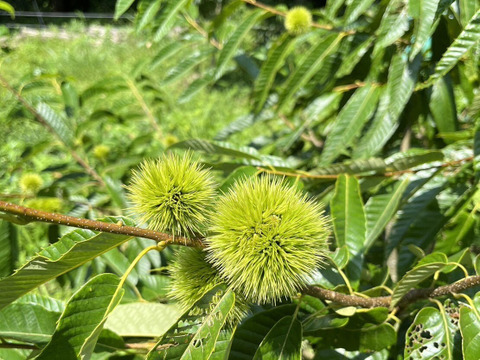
(376, 105)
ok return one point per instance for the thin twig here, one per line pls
(43, 216)
(202, 31)
(42, 121)
(385, 174)
(143, 104)
(281, 13)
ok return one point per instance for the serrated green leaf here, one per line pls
(460, 46)
(167, 18)
(283, 341)
(393, 25)
(467, 10)
(143, 319)
(73, 250)
(168, 51)
(194, 88)
(442, 105)
(8, 248)
(121, 6)
(253, 330)
(355, 167)
(275, 59)
(412, 158)
(87, 308)
(470, 329)
(27, 322)
(308, 66)
(349, 222)
(356, 8)
(149, 14)
(356, 49)
(201, 344)
(428, 266)
(60, 126)
(340, 257)
(186, 65)
(430, 336)
(232, 44)
(350, 122)
(380, 210)
(424, 24)
(476, 148)
(402, 77)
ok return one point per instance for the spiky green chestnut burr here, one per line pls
(268, 239)
(30, 183)
(172, 194)
(192, 277)
(298, 20)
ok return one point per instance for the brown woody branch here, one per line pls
(323, 294)
(42, 216)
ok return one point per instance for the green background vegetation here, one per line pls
(372, 111)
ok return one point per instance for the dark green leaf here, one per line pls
(87, 308)
(283, 341)
(73, 250)
(168, 16)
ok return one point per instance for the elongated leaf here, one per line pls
(332, 8)
(424, 24)
(149, 14)
(461, 45)
(27, 322)
(252, 331)
(357, 48)
(430, 336)
(168, 51)
(143, 319)
(219, 148)
(73, 250)
(275, 59)
(442, 106)
(60, 126)
(84, 311)
(467, 10)
(8, 8)
(283, 341)
(423, 270)
(228, 51)
(208, 332)
(412, 158)
(241, 123)
(121, 6)
(194, 88)
(48, 303)
(476, 148)
(380, 210)
(402, 77)
(393, 25)
(355, 167)
(167, 18)
(349, 221)
(350, 122)
(308, 66)
(470, 329)
(186, 65)
(354, 9)
(8, 248)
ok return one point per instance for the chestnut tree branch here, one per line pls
(412, 296)
(30, 214)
